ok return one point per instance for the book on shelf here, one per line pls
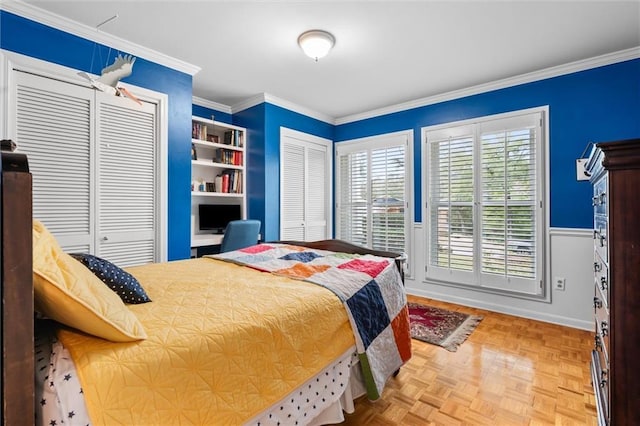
(224, 156)
(234, 138)
(229, 181)
(198, 131)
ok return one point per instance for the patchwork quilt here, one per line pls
(370, 289)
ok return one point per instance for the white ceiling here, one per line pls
(386, 53)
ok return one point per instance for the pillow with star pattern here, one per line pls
(121, 282)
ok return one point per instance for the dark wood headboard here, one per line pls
(17, 290)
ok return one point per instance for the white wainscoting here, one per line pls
(571, 254)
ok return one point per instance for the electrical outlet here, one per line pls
(558, 283)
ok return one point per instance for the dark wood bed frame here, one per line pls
(17, 290)
(17, 286)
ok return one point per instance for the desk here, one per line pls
(199, 240)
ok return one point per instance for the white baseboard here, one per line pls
(510, 310)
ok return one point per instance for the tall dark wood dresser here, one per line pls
(615, 360)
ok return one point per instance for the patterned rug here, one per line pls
(441, 327)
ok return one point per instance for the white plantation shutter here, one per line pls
(316, 210)
(292, 192)
(388, 198)
(485, 203)
(372, 181)
(353, 211)
(54, 128)
(305, 185)
(451, 200)
(127, 181)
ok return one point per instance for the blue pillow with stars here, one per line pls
(121, 282)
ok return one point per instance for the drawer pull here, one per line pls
(597, 267)
(597, 342)
(595, 200)
(597, 303)
(603, 283)
(602, 198)
(603, 378)
(597, 235)
(604, 330)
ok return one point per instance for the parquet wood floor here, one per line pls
(510, 371)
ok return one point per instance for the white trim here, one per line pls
(274, 100)
(571, 232)
(582, 65)
(306, 140)
(542, 268)
(211, 104)
(382, 141)
(81, 30)
(504, 309)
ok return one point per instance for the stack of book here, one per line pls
(234, 138)
(224, 156)
(230, 181)
(198, 131)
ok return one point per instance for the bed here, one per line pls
(280, 332)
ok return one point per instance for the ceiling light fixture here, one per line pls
(316, 43)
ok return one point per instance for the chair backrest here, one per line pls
(239, 234)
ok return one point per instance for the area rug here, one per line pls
(441, 327)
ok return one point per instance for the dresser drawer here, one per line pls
(602, 330)
(601, 279)
(600, 383)
(599, 199)
(600, 236)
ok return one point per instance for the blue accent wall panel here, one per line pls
(32, 39)
(204, 112)
(253, 120)
(600, 104)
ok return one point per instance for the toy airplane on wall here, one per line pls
(111, 75)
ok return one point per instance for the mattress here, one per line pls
(321, 400)
(225, 343)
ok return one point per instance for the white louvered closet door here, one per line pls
(316, 198)
(292, 190)
(127, 181)
(54, 128)
(305, 183)
(93, 158)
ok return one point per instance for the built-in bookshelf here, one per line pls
(217, 171)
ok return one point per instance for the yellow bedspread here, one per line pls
(225, 342)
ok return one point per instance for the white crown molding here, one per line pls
(274, 100)
(248, 103)
(211, 104)
(585, 64)
(67, 25)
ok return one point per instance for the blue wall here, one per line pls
(204, 112)
(30, 38)
(600, 104)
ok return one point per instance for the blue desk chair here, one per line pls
(240, 234)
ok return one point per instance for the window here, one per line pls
(372, 208)
(485, 203)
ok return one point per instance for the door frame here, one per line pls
(306, 140)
